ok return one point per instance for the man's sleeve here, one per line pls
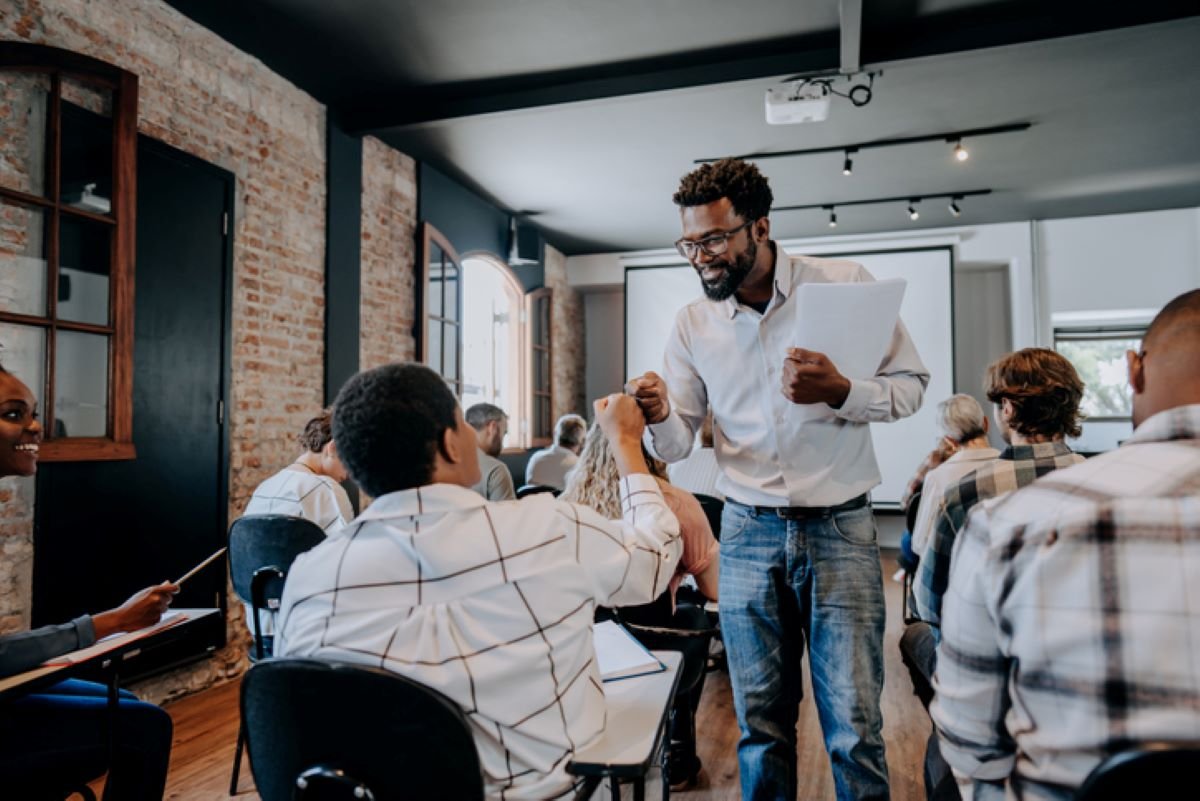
(500, 484)
(933, 571)
(28, 649)
(629, 561)
(898, 386)
(672, 439)
(971, 681)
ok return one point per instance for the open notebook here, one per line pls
(619, 655)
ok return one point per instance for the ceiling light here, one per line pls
(848, 165)
(954, 207)
(960, 152)
(832, 218)
(913, 214)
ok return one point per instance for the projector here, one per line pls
(798, 101)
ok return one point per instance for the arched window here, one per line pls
(493, 306)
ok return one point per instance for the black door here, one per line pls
(106, 529)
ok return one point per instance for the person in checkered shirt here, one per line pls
(1071, 626)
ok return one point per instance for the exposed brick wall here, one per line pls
(568, 371)
(389, 220)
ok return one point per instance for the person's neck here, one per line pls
(977, 443)
(312, 461)
(1017, 438)
(759, 285)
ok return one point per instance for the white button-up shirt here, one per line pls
(773, 452)
(933, 491)
(490, 604)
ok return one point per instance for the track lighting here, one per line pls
(960, 152)
(848, 165)
(913, 214)
(832, 218)
(912, 202)
(954, 207)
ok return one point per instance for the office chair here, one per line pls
(534, 489)
(1149, 770)
(354, 732)
(713, 507)
(261, 551)
(907, 603)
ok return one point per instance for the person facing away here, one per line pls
(490, 604)
(310, 487)
(799, 559)
(56, 739)
(1070, 622)
(491, 425)
(549, 466)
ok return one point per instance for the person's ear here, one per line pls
(448, 446)
(1006, 410)
(1137, 372)
(761, 229)
(987, 424)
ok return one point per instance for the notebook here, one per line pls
(114, 641)
(619, 655)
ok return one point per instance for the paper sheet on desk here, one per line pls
(114, 641)
(852, 324)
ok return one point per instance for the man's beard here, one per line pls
(734, 273)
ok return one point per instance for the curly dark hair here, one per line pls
(388, 423)
(1043, 388)
(738, 180)
(317, 431)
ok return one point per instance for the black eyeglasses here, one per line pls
(713, 245)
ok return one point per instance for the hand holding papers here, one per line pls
(619, 655)
(114, 641)
(852, 324)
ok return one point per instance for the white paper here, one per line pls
(618, 655)
(850, 323)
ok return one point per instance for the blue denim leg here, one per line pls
(847, 618)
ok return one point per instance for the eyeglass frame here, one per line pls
(699, 245)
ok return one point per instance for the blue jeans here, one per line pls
(785, 582)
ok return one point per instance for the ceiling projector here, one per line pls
(798, 101)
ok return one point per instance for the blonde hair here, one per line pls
(595, 482)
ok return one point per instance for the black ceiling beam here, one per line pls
(807, 53)
(875, 200)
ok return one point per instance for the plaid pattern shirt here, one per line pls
(1017, 466)
(491, 604)
(1072, 624)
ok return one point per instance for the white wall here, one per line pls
(605, 345)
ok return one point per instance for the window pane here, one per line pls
(81, 385)
(451, 311)
(450, 346)
(544, 321)
(1101, 365)
(23, 353)
(435, 346)
(84, 258)
(436, 257)
(22, 259)
(24, 103)
(87, 148)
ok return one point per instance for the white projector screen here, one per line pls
(653, 296)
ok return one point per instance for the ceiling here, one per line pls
(583, 115)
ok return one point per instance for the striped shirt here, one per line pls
(1017, 466)
(490, 604)
(1072, 623)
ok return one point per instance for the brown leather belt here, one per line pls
(803, 512)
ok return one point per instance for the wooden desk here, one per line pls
(638, 711)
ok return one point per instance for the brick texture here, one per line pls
(567, 332)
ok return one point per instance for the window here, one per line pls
(68, 137)
(1099, 357)
(439, 341)
(542, 419)
(493, 308)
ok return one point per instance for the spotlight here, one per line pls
(832, 218)
(960, 152)
(954, 208)
(913, 214)
(848, 166)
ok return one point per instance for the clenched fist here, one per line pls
(650, 392)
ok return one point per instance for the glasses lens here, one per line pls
(686, 249)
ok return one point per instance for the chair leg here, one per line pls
(237, 760)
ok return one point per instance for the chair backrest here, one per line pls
(910, 512)
(376, 729)
(257, 541)
(1149, 770)
(713, 507)
(534, 489)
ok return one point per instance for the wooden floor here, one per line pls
(206, 729)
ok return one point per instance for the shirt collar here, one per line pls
(1182, 422)
(430, 499)
(782, 281)
(1034, 451)
(974, 455)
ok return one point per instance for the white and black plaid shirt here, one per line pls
(490, 604)
(1071, 627)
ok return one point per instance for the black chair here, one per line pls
(907, 603)
(534, 489)
(354, 732)
(713, 507)
(261, 551)
(1149, 770)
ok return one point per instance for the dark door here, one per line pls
(106, 529)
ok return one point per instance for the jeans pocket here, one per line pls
(856, 526)
(733, 521)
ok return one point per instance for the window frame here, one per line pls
(59, 64)
(429, 237)
(538, 438)
(1099, 333)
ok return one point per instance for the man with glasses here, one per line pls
(799, 559)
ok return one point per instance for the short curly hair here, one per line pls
(388, 423)
(1044, 389)
(317, 432)
(738, 180)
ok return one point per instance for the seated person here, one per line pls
(594, 482)
(1069, 629)
(309, 487)
(491, 425)
(57, 738)
(549, 466)
(489, 603)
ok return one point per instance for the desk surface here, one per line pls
(637, 711)
(124, 646)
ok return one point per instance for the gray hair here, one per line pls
(570, 430)
(481, 414)
(961, 418)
